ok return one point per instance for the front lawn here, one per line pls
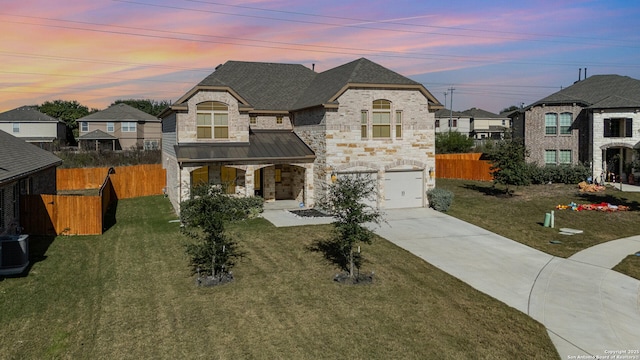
(521, 217)
(128, 294)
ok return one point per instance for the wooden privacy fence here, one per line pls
(463, 166)
(82, 214)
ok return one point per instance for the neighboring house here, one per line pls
(447, 120)
(24, 169)
(487, 125)
(32, 126)
(283, 131)
(595, 121)
(119, 127)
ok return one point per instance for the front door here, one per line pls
(257, 182)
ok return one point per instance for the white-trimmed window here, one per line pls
(381, 119)
(565, 157)
(551, 124)
(565, 123)
(84, 126)
(110, 127)
(364, 124)
(128, 126)
(213, 120)
(398, 124)
(550, 157)
(16, 128)
(437, 123)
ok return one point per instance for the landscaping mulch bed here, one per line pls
(309, 213)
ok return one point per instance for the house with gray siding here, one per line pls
(284, 131)
(447, 120)
(595, 121)
(24, 169)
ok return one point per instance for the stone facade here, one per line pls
(621, 146)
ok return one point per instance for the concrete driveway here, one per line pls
(587, 308)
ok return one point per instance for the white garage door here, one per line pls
(403, 189)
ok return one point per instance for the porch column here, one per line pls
(249, 180)
(309, 195)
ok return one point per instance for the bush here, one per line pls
(440, 199)
(80, 159)
(558, 174)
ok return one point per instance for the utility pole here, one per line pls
(451, 108)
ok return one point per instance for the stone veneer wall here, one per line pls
(335, 137)
(238, 123)
(599, 140)
(536, 141)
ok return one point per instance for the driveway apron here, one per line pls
(587, 308)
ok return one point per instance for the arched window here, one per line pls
(381, 119)
(213, 120)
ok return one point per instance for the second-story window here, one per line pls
(364, 124)
(213, 120)
(381, 119)
(565, 123)
(437, 123)
(128, 126)
(84, 126)
(109, 127)
(253, 120)
(551, 124)
(618, 127)
(398, 124)
(16, 128)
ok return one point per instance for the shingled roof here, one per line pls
(598, 91)
(26, 114)
(19, 159)
(119, 112)
(482, 114)
(263, 145)
(287, 87)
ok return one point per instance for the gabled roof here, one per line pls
(26, 114)
(263, 145)
(446, 113)
(119, 112)
(482, 114)
(19, 158)
(598, 91)
(97, 135)
(286, 87)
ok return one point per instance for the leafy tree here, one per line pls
(509, 109)
(152, 107)
(508, 165)
(68, 112)
(344, 202)
(204, 215)
(452, 142)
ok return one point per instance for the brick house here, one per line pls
(119, 127)
(24, 169)
(283, 131)
(595, 121)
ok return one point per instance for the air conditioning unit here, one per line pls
(14, 254)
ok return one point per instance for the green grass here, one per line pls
(629, 266)
(520, 217)
(128, 295)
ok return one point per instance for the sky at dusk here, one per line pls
(494, 54)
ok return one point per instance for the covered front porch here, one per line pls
(276, 165)
(616, 163)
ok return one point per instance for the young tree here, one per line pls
(344, 200)
(204, 215)
(508, 164)
(68, 112)
(452, 142)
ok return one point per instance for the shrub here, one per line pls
(561, 174)
(440, 199)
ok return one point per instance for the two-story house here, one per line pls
(119, 127)
(283, 131)
(447, 120)
(34, 127)
(487, 125)
(595, 121)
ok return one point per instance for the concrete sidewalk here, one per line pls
(587, 308)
